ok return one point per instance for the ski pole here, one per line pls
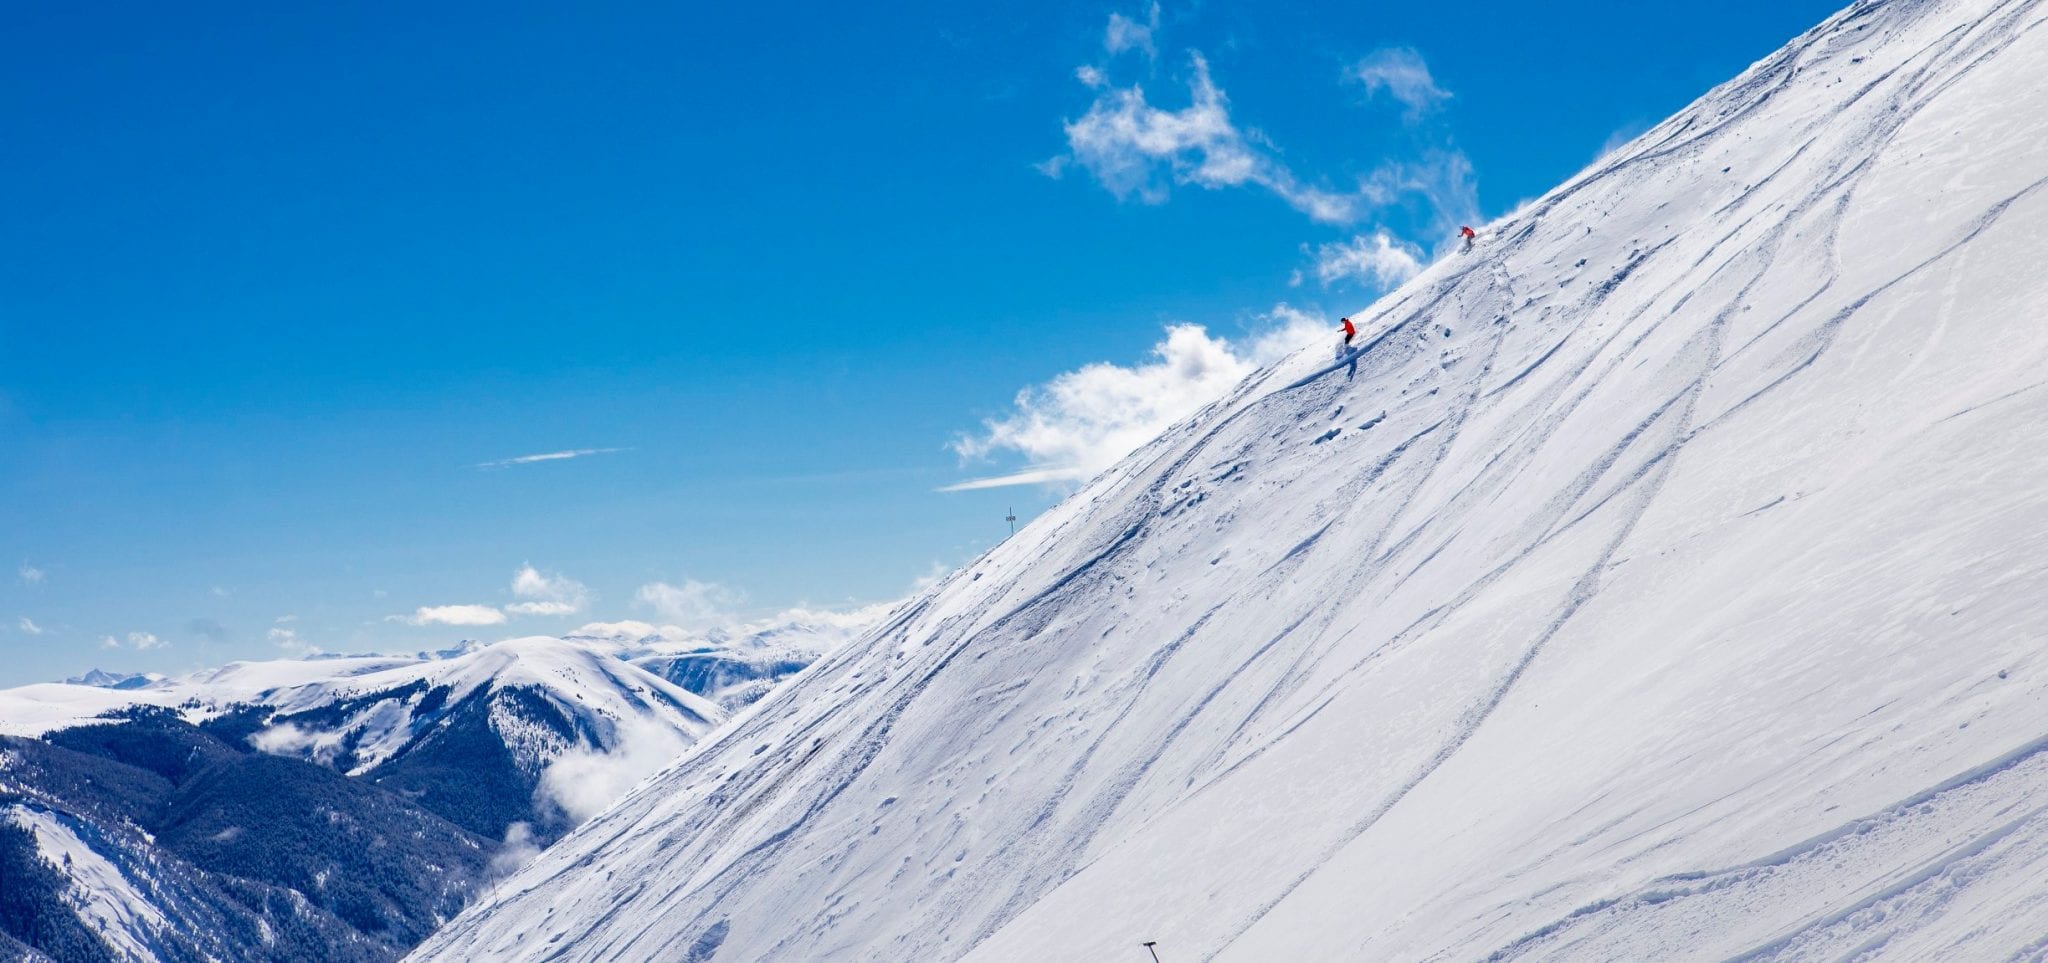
(1149, 944)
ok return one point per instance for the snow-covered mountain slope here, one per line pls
(115, 680)
(475, 731)
(538, 730)
(1664, 579)
(153, 839)
(406, 783)
(730, 667)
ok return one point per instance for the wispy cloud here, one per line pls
(693, 605)
(1125, 33)
(549, 456)
(1136, 150)
(285, 637)
(1380, 258)
(546, 594)
(1442, 177)
(515, 851)
(1030, 476)
(208, 629)
(1083, 421)
(139, 641)
(542, 608)
(455, 615)
(582, 781)
(1400, 73)
(28, 625)
(846, 621)
(933, 574)
(540, 594)
(31, 575)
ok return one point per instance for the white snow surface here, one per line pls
(32, 710)
(614, 701)
(608, 695)
(107, 900)
(1664, 579)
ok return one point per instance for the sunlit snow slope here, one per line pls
(1666, 579)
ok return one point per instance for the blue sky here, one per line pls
(285, 288)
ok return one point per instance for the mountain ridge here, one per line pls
(1682, 521)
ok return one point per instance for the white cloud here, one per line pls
(1083, 421)
(843, 619)
(542, 608)
(583, 782)
(1029, 476)
(287, 739)
(1137, 150)
(1443, 178)
(219, 592)
(693, 605)
(289, 640)
(1283, 331)
(630, 630)
(209, 630)
(1402, 74)
(455, 615)
(543, 594)
(517, 849)
(139, 641)
(810, 625)
(285, 637)
(549, 456)
(31, 575)
(546, 594)
(1124, 33)
(933, 575)
(28, 625)
(1380, 259)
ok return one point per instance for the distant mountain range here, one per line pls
(340, 807)
(101, 679)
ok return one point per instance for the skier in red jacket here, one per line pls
(1349, 332)
(1469, 235)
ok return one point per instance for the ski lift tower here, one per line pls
(1012, 519)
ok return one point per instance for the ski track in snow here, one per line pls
(1281, 684)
